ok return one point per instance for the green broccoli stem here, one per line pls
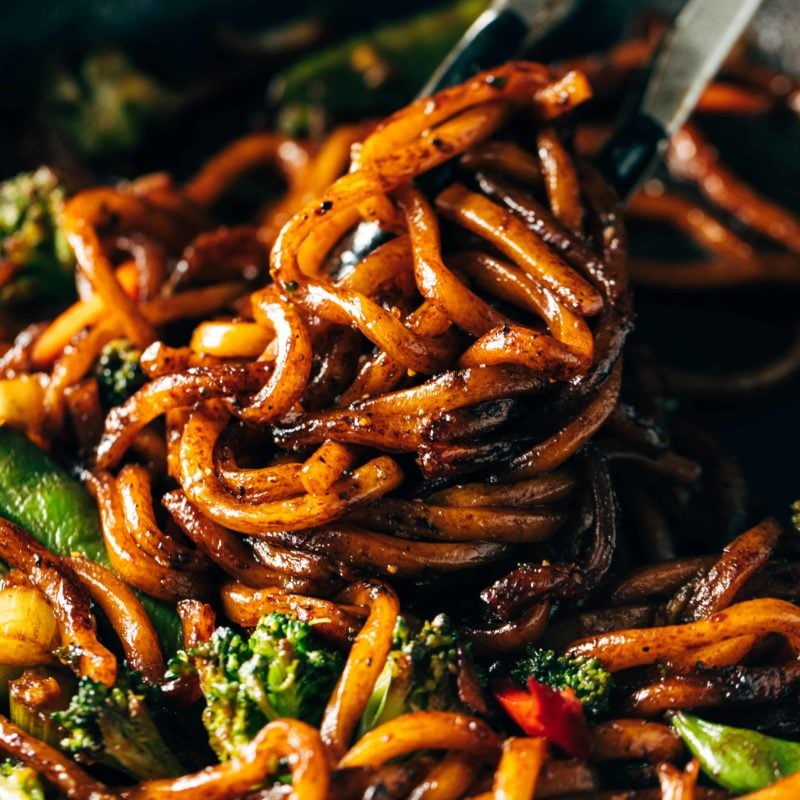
(737, 759)
(133, 742)
(114, 726)
(34, 696)
(420, 673)
(388, 698)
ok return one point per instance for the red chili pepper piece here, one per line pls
(542, 711)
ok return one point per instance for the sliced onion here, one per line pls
(22, 402)
(28, 628)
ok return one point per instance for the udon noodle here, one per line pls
(335, 435)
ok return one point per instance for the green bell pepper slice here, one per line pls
(737, 759)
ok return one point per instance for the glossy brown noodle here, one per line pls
(445, 411)
(423, 346)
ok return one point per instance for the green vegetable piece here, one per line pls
(109, 105)
(420, 673)
(41, 497)
(281, 670)
(118, 371)
(795, 508)
(738, 759)
(32, 244)
(115, 726)
(18, 782)
(374, 72)
(585, 676)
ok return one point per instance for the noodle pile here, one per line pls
(339, 435)
(407, 351)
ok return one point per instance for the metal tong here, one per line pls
(691, 52)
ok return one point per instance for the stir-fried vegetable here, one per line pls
(118, 372)
(116, 727)
(34, 696)
(109, 105)
(28, 628)
(280, 670)
(584, 676)
(539, 710)
(38, 495)
(372, 73)
(36, 263)
(559, 693)
(420, 673)
(738, 759)
(18, 782)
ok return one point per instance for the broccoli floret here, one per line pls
(118, 371)
(115, 726)
(585, 676)
(35, 260)
(795, 507)
(109, 105)
(18, 782)
(281, 670)
(420, 673)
